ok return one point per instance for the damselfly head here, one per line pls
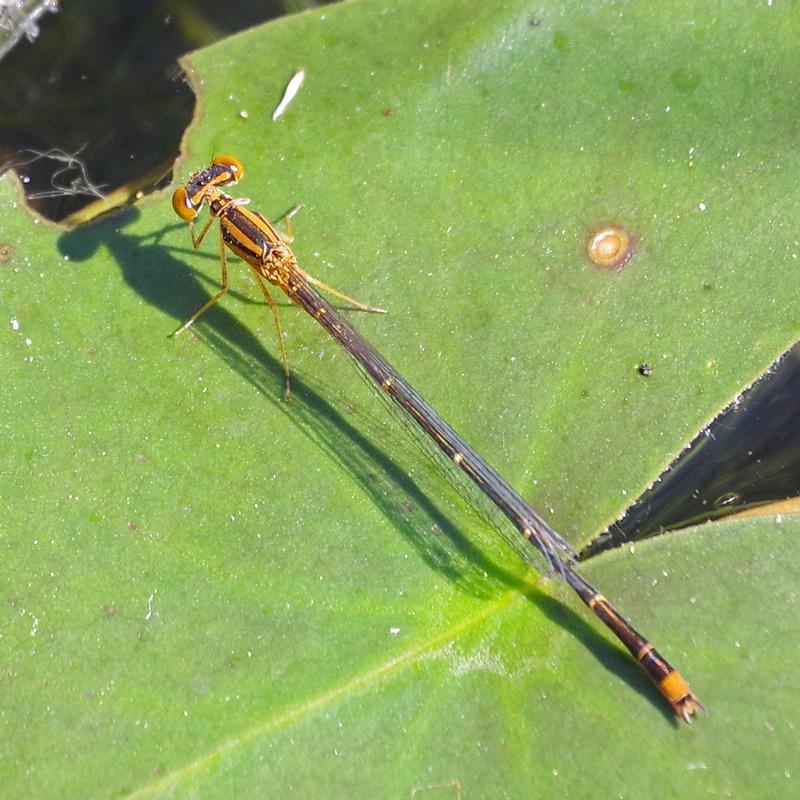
(188, 200)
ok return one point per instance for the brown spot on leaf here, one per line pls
(7, 252)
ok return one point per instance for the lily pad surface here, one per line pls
(209, 591)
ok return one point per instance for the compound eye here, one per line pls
(182, 205)
(233, 165)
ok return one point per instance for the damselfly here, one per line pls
(266, 251)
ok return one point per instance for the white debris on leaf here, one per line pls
(292, 88)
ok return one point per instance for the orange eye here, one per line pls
(182, 205)
(233, 165)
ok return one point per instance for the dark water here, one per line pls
(101, 93)
(748, 456)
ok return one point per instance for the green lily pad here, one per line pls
(208, 590)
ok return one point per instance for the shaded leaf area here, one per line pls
(209, 590)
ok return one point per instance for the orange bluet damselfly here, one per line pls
(266, 251)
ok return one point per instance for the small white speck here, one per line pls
(149, 607)
(28, 342)
(668, 109)
(14, 324)
(701, 206)
(394, 631)
(779, 519)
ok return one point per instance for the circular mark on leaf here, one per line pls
(686, 80)
(610, 247)
(561, 41)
